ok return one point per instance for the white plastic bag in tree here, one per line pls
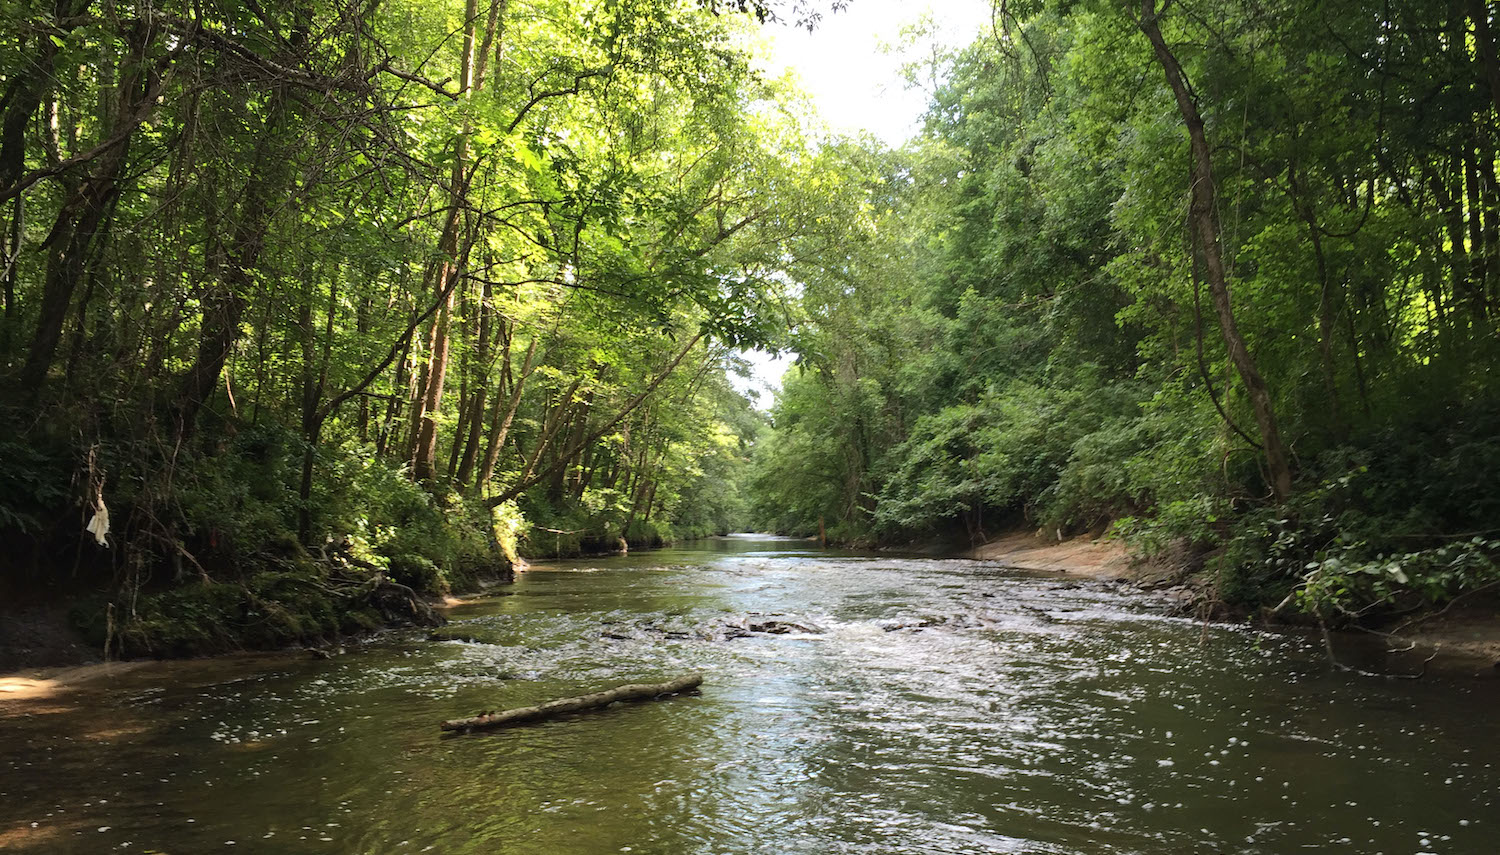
(99, 524)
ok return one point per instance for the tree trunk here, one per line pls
(424, 452)
(475, 433)
(550, 427)
(234, 266)
(27, 87)
(1205, 222)
(1472, 209)
(84, 211)
(559, 708)
(8, 276)
(362, 329)
(499, 431)
(387, 434)
(465, 406)
(639, 484)
(1490, 211)
(450, 268)
(1453, 218)
(314, 383)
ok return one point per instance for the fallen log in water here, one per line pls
(553, 709)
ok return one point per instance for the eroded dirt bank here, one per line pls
(1081, 556)
(1457, 640)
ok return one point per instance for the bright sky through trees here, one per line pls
(851, 65)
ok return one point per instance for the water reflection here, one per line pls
(941, 706)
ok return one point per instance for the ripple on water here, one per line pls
(932, 706)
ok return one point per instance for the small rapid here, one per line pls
(854, 704)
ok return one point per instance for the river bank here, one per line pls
(1463, 639)
(38, 641)
(331, 599)
(1092, 558)
(41, 649)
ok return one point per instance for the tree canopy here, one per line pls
(301, 299)
(294, 287)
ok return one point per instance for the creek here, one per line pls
(917, 705)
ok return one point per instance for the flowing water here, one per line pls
(915, 705)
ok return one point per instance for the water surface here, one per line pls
(938, 706)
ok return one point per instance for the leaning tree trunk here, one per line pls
(26, 87)
(1205, 223)
(234, 267)
(83, 214)
(530, 478)
(424, 452)
(224, 306)
(500, 430)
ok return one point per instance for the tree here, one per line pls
(1205, 224)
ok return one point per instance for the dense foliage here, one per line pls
(1030, 330)
(310, 308)
(304, 301)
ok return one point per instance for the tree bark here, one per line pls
(558, 708)
(450, 267)
(26, 89)
(1453, 218)
(314, 382)
(424, 453)
(499, 431)
(1205, 223)
(475, 433)
(224, 307)
(1473, 207)
(233, 267)
(84, 212)
(550, 427)
(8, 276)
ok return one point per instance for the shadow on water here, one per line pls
(854, 703)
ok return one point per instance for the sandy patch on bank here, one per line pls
(30, 690)
(1465, 641)
(45, 683)
(1472, 634)
(1080, 556)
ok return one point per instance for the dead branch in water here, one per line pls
(553, 709)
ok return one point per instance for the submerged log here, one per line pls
(553, 709)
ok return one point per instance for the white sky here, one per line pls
(851, 64)
(852, 70)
